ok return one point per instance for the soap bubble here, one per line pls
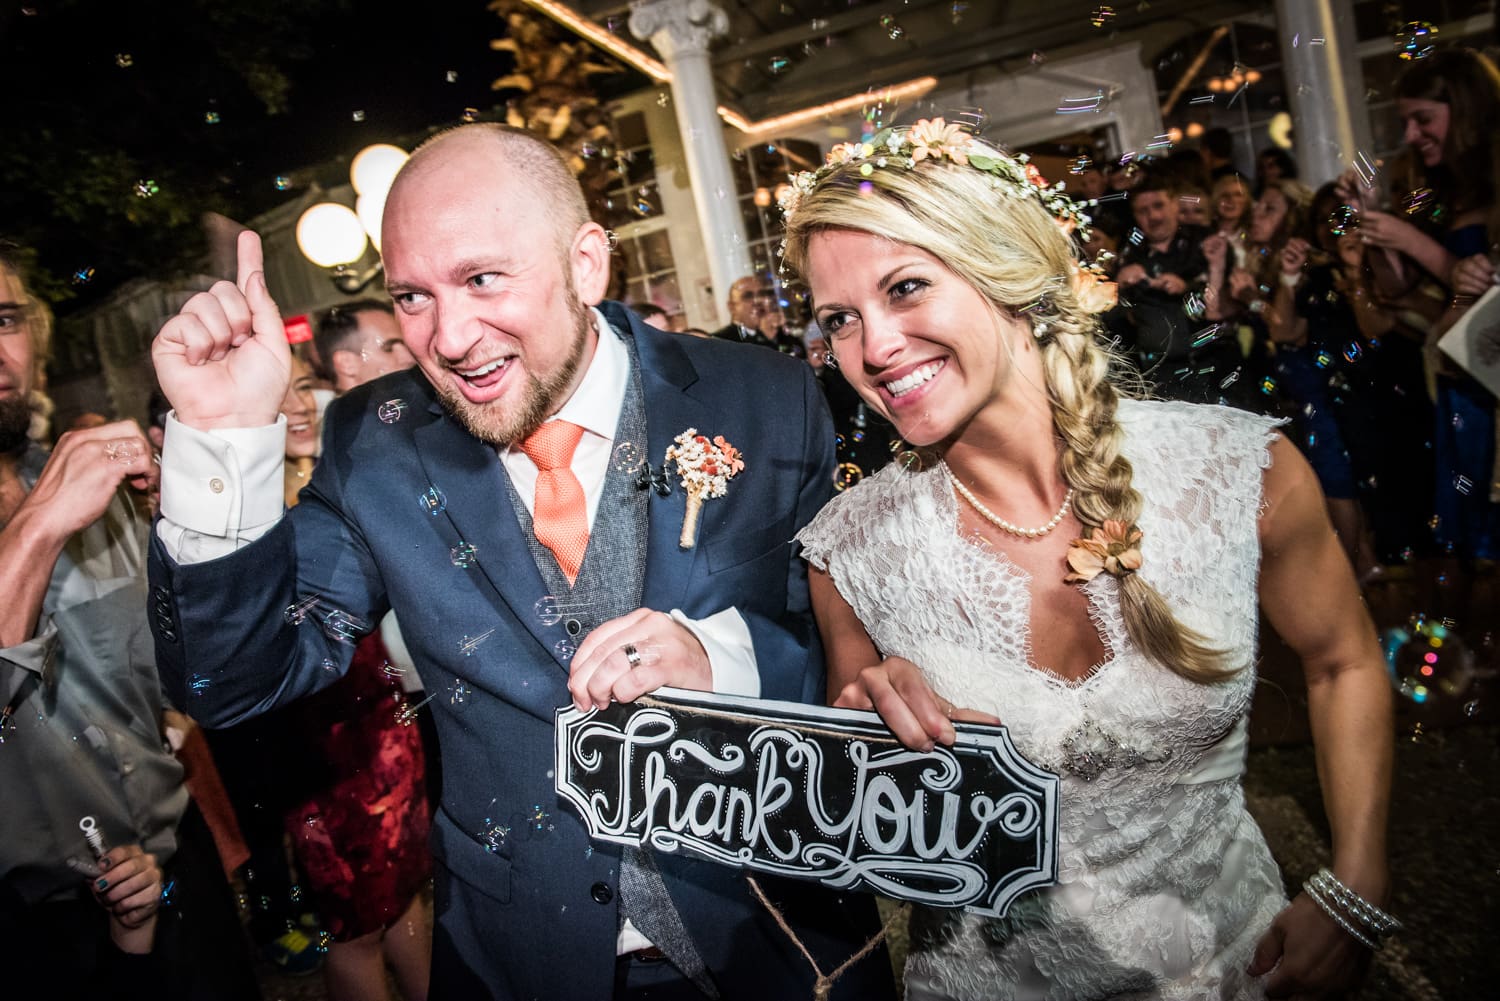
(433, 501)
(1415, 40)
(469, 644)
(1344, 219)
(1427, 660)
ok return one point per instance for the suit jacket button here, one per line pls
(573, 626)
(601, 893)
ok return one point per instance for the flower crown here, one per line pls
(1013, 176)
(937, 140)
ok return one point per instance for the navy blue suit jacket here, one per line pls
(526, 905)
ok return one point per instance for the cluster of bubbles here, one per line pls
(463, 555)
(146, 187)
(893, 29)
(391, 411)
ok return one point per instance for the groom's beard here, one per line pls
(543, 395)
(15, 424)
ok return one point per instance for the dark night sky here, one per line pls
(82, 127)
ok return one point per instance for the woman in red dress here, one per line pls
(361, 838)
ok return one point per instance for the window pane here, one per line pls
(641, 168)
(657, 250)
(631, 130)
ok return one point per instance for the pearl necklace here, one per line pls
(1001, 523)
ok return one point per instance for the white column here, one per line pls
(680, 30)
(1326, 85)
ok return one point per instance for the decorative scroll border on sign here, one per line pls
(814, 793)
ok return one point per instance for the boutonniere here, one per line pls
(706, 467)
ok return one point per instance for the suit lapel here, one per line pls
(669, 383)
(468, 474)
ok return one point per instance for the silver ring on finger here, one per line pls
(632, 655)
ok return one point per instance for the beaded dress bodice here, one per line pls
(1165, 881)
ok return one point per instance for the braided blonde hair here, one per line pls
(1011, 250)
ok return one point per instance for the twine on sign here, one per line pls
(823, 986)
(646, 700)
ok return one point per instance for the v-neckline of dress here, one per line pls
(982, 548)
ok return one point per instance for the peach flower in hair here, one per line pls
(1115, 549)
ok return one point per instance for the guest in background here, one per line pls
(360, 834)
(1217, 151)
(1318, 354)
(756, 317)
(94, 809)
(1449, 103)
(653, 314)
(1193, 207)
(1230, 204)
(360, 341)
(1273, 164)
(1161, 276)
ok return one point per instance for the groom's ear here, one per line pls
(589, 259)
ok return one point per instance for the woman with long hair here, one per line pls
(1230, 203)
(1321, 364)
(1088, 569)
(1448, 104)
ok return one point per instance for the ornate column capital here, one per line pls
(677, 27)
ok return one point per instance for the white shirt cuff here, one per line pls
(731, 652)
(220, 489)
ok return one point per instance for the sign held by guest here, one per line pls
(814, 793)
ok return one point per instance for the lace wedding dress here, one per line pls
(1166, 883)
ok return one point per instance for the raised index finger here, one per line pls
(249, 259)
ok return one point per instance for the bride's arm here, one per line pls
(858, 678)
(1349, 706)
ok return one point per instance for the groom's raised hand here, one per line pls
(223, 360)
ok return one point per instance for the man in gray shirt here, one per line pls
(94, 802)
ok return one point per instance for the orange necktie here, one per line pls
(559, 515)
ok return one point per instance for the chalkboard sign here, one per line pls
(814, 793)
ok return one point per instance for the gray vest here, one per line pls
(609, 584)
